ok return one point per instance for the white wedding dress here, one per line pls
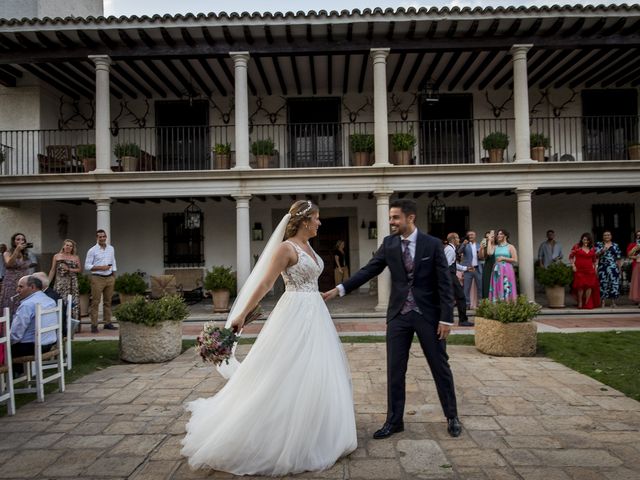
(289, 406)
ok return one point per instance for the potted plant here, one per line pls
(263, 151)
(495, 143)
(554, 278)
(220, 281)
(403, 144)
(84, 290)
(151, 331)
(87, 154)
(222, 156)
(505, 328)
(128, 285)
(128, 154)
(634, 151)
(362, 145)
(538, 143)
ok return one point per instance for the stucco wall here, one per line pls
(50, 8)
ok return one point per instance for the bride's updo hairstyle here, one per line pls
(300, 212)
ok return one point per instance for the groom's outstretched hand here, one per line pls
(328, 295)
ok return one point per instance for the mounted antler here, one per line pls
(397, 106)
(497, 110)
(141, 121)
(273, 116)
(353, 114)
(557, 110)
(259, 107)
(226, 116)
(87, 120)
(543, 96)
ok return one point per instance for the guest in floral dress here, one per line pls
(65, 268)
(503, 278)
(609, 263)
(17, 264)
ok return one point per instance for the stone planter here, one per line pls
(505, 339)
(402, 157)
(220, 300)
(361, 159)
(126, 297)
(84, 304)
(222, 161)
(263, 161)
(129, 164)
(537, 153)
(555, 296)
(144, 344)
(496, 155)
(634, 152)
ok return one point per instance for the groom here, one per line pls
(421, 302)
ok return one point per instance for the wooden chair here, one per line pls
(162, 285)
(7, 395)
(59, 159)
(36, 360)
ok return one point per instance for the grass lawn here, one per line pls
(610, 357)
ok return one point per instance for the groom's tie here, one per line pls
(409, 303)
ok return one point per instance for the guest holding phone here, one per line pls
(101, 263)
(17, 263)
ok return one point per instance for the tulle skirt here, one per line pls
(289, 406)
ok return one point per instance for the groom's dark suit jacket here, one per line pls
(432, 288)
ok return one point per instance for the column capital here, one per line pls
(382, 194)
(520, 50)
(240, 57)
(525, 190)
(380, 53)
(242, 197)
(102, 200)
(101, 60)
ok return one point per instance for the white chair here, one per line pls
(7, 394)
(36, 360)
(72, 323)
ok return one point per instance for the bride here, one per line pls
(288, 407)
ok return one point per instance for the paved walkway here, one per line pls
(524, 418)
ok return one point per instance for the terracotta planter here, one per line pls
(144, 344)
(129, 164)
(634, 152)
(220, 300)
(84, 304)
(223, 161)
(537, 153)
(89, 164)
(402, 157)
(263, 161)
(496, 155)
(555, 296)
(505, 339)
(361, 159)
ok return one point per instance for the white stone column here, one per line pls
(103, 215)
(103, 114)
(382, 219)
(525, 241)
(243, 238)
(380, 112)
(521, 102)
(240, 63)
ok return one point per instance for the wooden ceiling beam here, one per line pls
(493, 28)
(411, 31)
(431, 32)
(330, 38)
(447, 69)
(569, 66)
(146, 38)
(166, 36)
(162, 77)
(263, 75)
(599, 67)
(472, 29)
(7, 80)
(612, 68)
(396, 71)
(268, 35)
(390, 30)
(288, 34)
(350, 32)
(309, 33)
(25, 42)
(628, 77)
(207, 36)
(513, 28)
(329, 74)
(146, 78)
(61, 72)
(107, 40)
(432, 68)
(557, 60)
(132, 81)
(573, 29)
(615, 27)
(126, 39)
(65, 40)
(186, 36)
(46, 41)
(506, 59)
(312, 74)
(533, 29)
(451, 32)
(86, 39)
(363, 72)
(14, 72)
(345, 74)
(595, 28)
(554, 28)
(51, 81)
(414, 70)
(212, 76)
(248, 37)
(489, 57)
(473, 56)
(188, 87)
(296, 74)
(186, 63)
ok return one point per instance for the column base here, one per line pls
(101, 170)
(525, 160)
(381, 307)
(382, 164)
(242, 167)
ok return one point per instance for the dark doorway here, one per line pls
(610, 123)
(618, 218)
(182, 135)
(332, 230)
(314, 132)
(447, 130)
(456, 219)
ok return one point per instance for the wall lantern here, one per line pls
(437, 211)
(256, 232)
(192, 216)
(373, 230)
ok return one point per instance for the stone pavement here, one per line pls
(524, 418)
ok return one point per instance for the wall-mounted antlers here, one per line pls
(272, 116)
(140, 120)
(353, 114)
(558, 109)
(396, 103)
(544, 94)
(497, 110)
(226, 116)
(86, 120)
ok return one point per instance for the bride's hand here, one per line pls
(330, 294)
(237, 323)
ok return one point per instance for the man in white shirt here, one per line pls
(450, 250)
(101, 262)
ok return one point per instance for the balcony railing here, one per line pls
(299, 145)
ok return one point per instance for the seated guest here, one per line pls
(53, 295)
(23, 325)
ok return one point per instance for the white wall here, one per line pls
(50, 8)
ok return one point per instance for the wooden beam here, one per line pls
(615, 27)
(146, 78)
(65, 40)
(107, 40)
(625, 79)
(178, 75)
(206, 34)
(350, 32)
(355, 196)
(433, 27)
(46, 41)
(369, 34)
(86, 39)
(533, 29)
(556, 60)
(396, 71)
(472, 29)
(595, 28)
(599, 66)
(390, 29)
(363, 72)
(489, 57)
(263, 75)
(278, 197)
(186, 36)
(312, 68)
(513, 28)
(146, 38)
(613, 68)
(7, 80)
(493, 28)
(417, 194)
(226, 70)
(329, 74)
(506, 59)
(345, 74)
(296, 74)
(14, 72)
(431, 69)
(289, 35)
(124, 74)
(411, 31)
(552, 75)
(412, 73)
(24, 41)
(330, 33)
(471, 59)
(162, 77)
(575, 28)
(451, 32)
(247, 35)
(268, 35)
(309, 33)
(126, 39)
(60, 72)
(51, 81)
(166, 36)
(212, 75)
(196, 76)
(554, 28)
(447, 69)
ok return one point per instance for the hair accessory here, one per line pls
(306, 210)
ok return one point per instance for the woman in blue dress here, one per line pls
(609, 264)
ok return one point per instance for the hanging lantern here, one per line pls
(437, 211)
(373, 230)
(256, 232)
(192, 216)
(429, 93)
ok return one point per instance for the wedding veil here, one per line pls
(255, 277)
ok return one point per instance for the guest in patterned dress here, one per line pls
(503, 277)
(65, 268)
(17, 264)
(609, 264)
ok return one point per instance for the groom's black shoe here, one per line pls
(454, 427)
(387, 430)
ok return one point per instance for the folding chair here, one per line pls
(7, 394)
(36, 360)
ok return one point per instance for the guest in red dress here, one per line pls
(583, 259)
(633, 252)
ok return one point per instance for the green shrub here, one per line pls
(126, 150)
(362, 142)
(403, 141)
(220, 278)
(263, 147)
(539, 140)
(130, 284)
(86, 151)
(495, 140)
(222, 148)
(84, 284)
(508, 311)
(557, 274)
(168, 308)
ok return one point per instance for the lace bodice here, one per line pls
(303, 276)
